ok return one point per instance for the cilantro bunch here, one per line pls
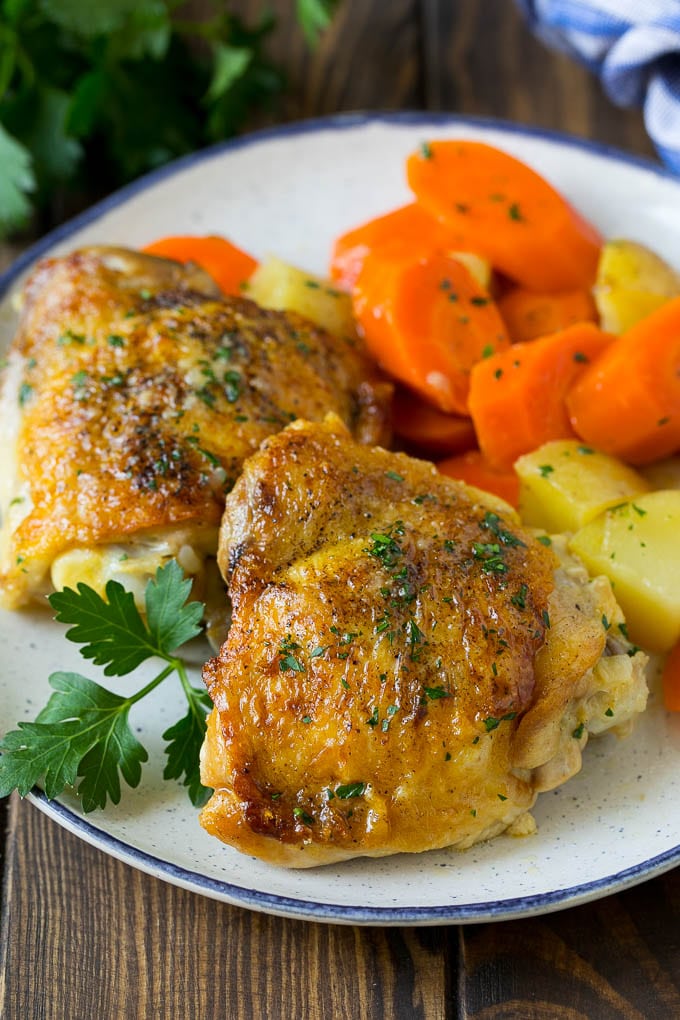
(95, 92)
(82, 738)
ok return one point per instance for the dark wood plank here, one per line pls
(85, 936)
(369, 59)
(619, 957)
(480, 58)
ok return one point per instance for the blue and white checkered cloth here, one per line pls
(634, 47)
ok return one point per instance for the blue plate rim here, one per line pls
(339, 121)
(275, 903)
(254, 898)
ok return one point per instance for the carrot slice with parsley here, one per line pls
(499, 207)
(517, 395)
(426, 430)
(671, 680)
(628, 402)
(473, 468)
(408, 229)
(427, 322)
(228, 265)
(528, 315)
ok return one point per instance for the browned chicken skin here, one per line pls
(407, 667)
(138, 391)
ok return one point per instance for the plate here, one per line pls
(289, 191)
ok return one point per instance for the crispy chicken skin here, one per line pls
(133, 393)
(407, 666)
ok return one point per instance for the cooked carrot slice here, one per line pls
(473, 468)
(228, 265)
(427, 321)
(408, 229)
(627, 403)
(528, 315)
(499, 207)
(426, 430)
(517, 396)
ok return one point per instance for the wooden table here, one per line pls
(84, 937)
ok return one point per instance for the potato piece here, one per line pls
(637, 546)
(565, 484)
(276, 284)
(662, 474)
(479, 268)
(632, 281)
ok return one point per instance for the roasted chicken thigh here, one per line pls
(132, 394)
(407, 666)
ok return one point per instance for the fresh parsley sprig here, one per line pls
(82, 738)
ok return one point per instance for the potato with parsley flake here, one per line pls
(632, 281)
(565, 484)
(277, 284)
(637, 546)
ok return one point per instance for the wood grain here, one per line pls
(107, 941)
(479, 58)
(84, 937)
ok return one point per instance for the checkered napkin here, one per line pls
(634, 47)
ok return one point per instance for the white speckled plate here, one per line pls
(289, 192)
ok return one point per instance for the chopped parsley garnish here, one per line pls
(425, 151)
(520, 598)
(490, 556)
(300, 813)
(232, 385)
(435, 693)
(545, 470)
(394, 476)
(514, 212)
(25, 393)
(578, 732)
(350, 790)
(492, 723)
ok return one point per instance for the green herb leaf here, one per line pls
(171, 620)
(111, 630)
(17, 180)
(350, 790)
(315, 16)
(186, 739)
(83, 733)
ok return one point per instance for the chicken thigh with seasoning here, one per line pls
(407, 666)
(132, 394)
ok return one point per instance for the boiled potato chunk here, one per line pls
(637, 546)
(276, 284)
(632, 281)
(565, 484)
(479, 268)
(663, 474)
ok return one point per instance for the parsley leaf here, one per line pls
(16, 182)
(83, 733)
(82, 737)
(315, 16)
(186, 738)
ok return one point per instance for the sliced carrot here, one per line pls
(228, 265)
(627, 403)
(426, 430)
(671, 680)
(499, 207)
(528, 315)
(408, 229)
(427, 321)
(517, 395)
(473, 468)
